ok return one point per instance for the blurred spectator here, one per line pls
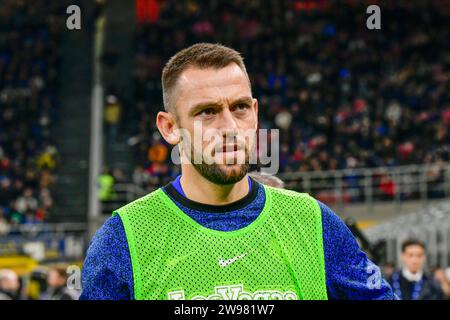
(147, 11)
(157, 152)
(436, 180)
(113, 111)
(440, 276)
(9, 285)
(57, 285)
(106, 184)
(387, 187)
(412, 282)
(4, 225)
(119, 176)
(47, 159)
(26, 202)
(267, 179)
(140, 177)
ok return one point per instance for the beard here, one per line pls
(218, 175)
(222, 174)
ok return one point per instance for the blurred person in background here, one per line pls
(440, 276)
(412, 282)
(4, 225)
(140, 177)
(113, 111)
(57, 284)
(119, 176)
(47, 159)
(106, 184)
(9, 285)
(267, 179)
(27, 202)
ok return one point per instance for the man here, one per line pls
(57, 284)
(9, 285)
(214, 232)
(411, 282)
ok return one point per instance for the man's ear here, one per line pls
(165, 121)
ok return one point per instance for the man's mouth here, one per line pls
(229, 149)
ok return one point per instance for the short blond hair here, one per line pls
(200, 55)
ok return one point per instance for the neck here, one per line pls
(199, 189)
(412, 276)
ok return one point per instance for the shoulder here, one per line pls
(141, 204)
(107, 271)
(331, 222)
(291, 198)
(110, 228)
(285, 192)
(337, 236)
(109, 236)
(294, 208)
(330, 218)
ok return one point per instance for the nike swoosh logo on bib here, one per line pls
(225, 263)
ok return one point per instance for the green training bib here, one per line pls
(278, 256)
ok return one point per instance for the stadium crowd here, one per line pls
(44, 283)
(29, 38)
(343, 96)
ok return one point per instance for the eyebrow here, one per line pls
(216, 105)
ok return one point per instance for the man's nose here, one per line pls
(227, 122)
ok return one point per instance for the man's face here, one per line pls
(414, 258)
(10, 283)
(217, 105)
(54, 280)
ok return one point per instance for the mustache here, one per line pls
(229, 147)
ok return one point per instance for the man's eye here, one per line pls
(241, 107)
(206, 112)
